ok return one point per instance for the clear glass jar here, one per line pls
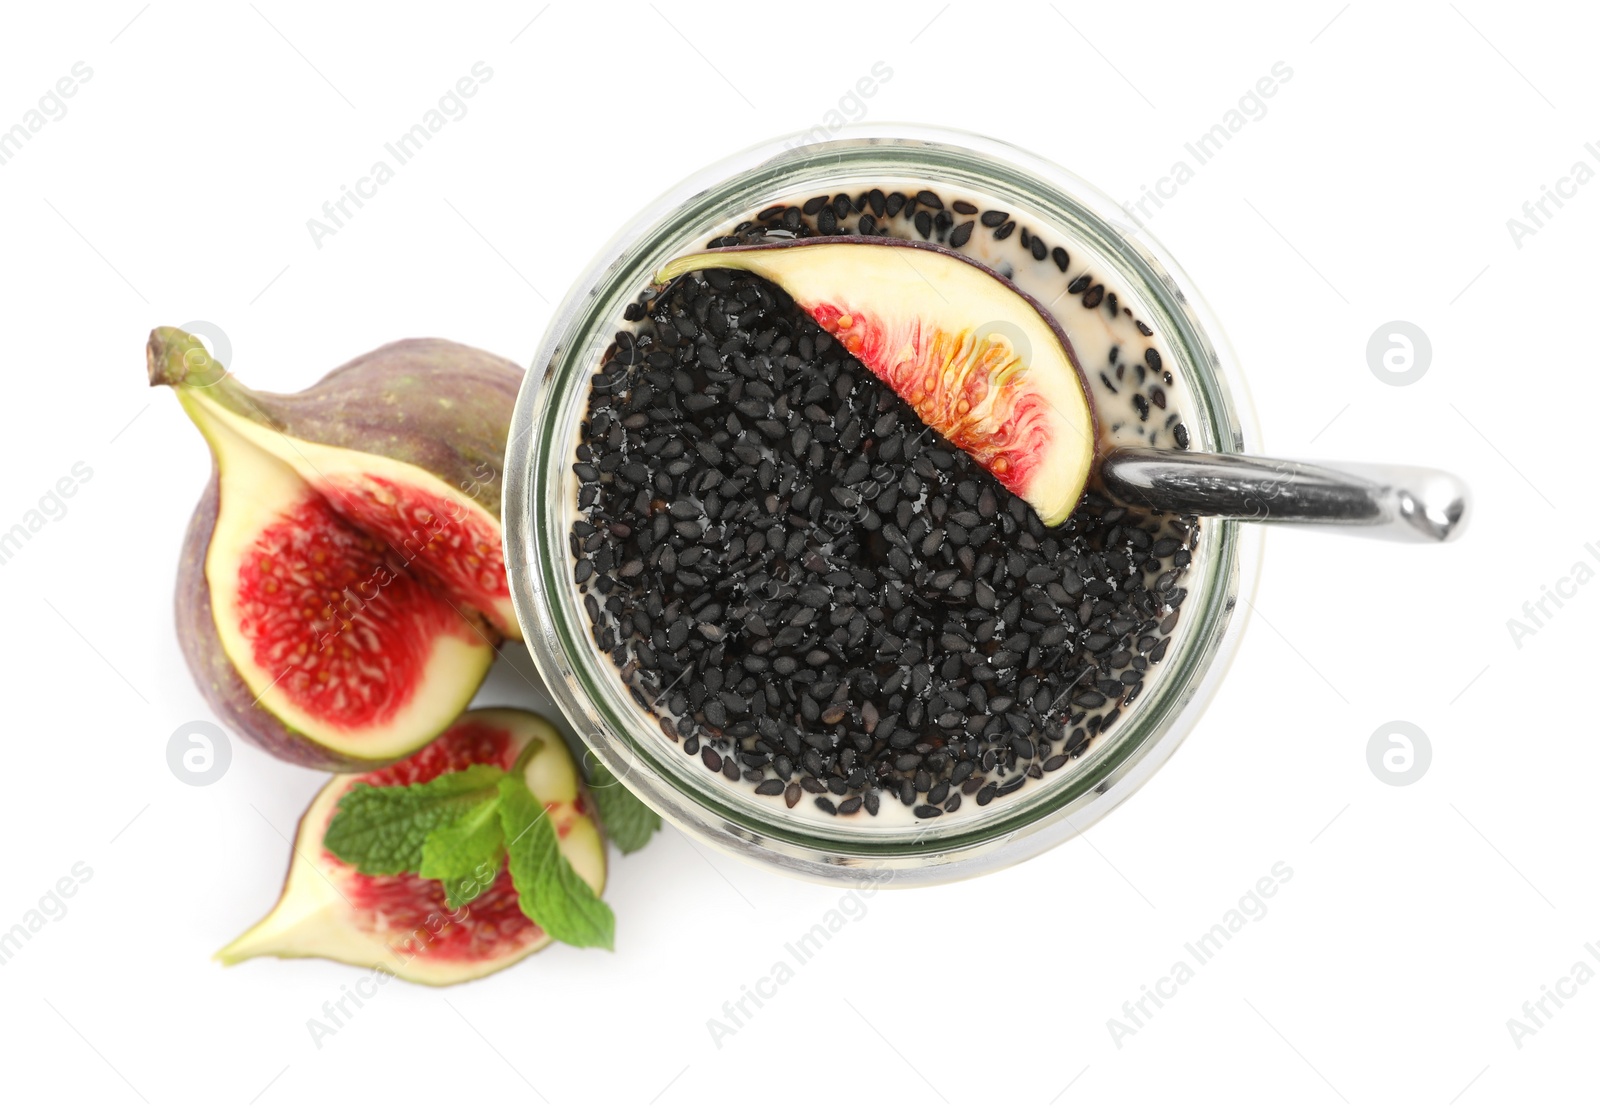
(540, 496)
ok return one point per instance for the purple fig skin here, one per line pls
(219, 682)
(389, 403)
(438, 405)
(936, 248)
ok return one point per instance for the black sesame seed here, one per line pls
(816, 593)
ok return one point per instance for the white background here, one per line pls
(1419, 919)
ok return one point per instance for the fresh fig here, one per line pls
(404, 922)
(342, 587)
(978, 359)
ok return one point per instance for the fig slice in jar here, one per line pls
(977, 359)
(403, 923)
(342, 586)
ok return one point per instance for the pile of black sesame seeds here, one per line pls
(816, 594)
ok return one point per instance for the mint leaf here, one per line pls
(382, 829)
(628, 821)
(465, 855)
(549, 890)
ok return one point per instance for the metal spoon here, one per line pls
(1399, 503)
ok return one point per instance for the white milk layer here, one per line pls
(1111, 349)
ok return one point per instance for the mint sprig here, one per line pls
(383, 829)
(458, 829)
(465, 856)
(628, 821)
(549, 890)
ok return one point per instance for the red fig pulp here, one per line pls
(342, 586)
(404, 922)
(980, 361)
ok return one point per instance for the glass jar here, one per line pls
(541, 490)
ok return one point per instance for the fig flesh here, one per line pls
(980, 361)
(342, 586)
(403, 922)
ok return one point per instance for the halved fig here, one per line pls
(403, 923)
(978, 359)
(342, 585)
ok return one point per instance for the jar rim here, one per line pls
(537, 482)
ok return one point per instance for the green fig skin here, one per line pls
(438, 405)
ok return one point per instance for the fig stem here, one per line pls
(178, 359)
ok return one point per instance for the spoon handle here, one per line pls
(1400, 503)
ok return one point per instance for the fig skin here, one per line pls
(553, 777)
(224, 690)
(438, 405)
(1059, 468)
(434, 404)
